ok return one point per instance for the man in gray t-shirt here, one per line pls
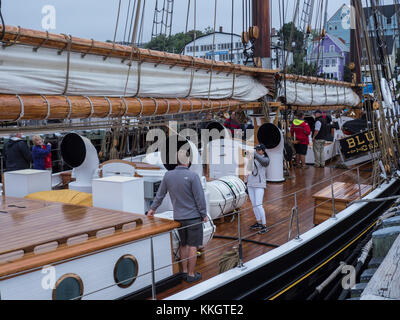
(190, 209)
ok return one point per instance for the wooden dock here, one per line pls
(385, 283)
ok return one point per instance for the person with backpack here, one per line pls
(16, 153)
(300, 131)
(256, 185)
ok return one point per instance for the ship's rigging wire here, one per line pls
(3, 32)
(126, 21)
(213, 49)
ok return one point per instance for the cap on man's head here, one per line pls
(318, 111)
(260, 147)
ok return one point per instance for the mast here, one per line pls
(355, 43)
(261, 19)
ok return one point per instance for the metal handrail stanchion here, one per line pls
(297, 217)
(240, 249)
(358, 181)
(153, 285)
(295, 213)
(333, 201)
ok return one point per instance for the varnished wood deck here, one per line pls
(303, 182)
(26, 224)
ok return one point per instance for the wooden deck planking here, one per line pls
(278, 213)
(21, 227)
(43, 222)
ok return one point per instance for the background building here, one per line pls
(224, 48)
(331, 54)
(387, 18)
(339, 24)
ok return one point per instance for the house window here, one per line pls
(389, 21)
(333, 62)
(327, 63)
(332, 48)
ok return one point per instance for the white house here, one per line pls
(224, 48)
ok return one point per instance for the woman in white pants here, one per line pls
(256, 185)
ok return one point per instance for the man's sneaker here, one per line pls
(197, 276)
(256, 226)
(263, 230)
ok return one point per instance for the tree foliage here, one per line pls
(297, 38)
(175, 43)
(296, 46)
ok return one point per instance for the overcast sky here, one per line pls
(97, 18)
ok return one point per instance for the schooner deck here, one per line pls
(31, 227)
(28, 224)
(278, 204)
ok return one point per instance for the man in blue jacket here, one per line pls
(190, 209)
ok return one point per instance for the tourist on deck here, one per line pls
(39, 153)
(190, 209)
(47, 160)
(232, 124)
(300, 131)
(256, 185)
(16, 153)
(319, 138)
(208, 119)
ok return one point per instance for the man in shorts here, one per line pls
(300, 131)
(190, 209)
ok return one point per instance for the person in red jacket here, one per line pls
(47, 160)
(300, 131)
(232, 124)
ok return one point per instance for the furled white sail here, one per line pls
(304, 94)
(23, 71)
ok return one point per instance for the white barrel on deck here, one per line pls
(238, 187)
(226, 195)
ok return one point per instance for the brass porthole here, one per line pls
(68, 287)
(125, 271)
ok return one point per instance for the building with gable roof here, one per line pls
(339, 24)
(331, 54)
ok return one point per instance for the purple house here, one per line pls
(331, 54)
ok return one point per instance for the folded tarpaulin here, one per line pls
(305, 94)
(50, 72)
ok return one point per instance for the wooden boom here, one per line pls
(40, 107)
